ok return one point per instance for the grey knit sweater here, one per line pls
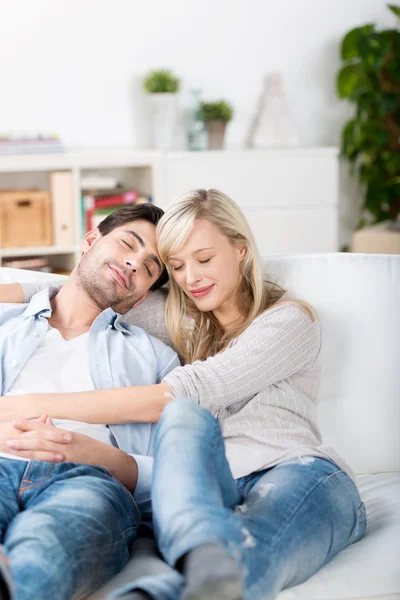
(263, 390)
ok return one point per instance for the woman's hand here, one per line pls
(45, 442)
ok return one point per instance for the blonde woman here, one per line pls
(246, 499)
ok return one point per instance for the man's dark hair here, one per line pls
(135, 212)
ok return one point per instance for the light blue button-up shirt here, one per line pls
(120, 355)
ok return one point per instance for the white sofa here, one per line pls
(358, 300)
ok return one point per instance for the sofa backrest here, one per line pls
(357, 297)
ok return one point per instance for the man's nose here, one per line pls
(132, 264)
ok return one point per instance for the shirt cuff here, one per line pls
(142, 492)
(145, 473)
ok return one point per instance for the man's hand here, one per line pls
(20, 407)
(43, 441)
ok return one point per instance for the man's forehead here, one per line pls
(146, 231)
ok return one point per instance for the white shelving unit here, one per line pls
(289, 196)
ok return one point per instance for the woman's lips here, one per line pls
(202, 291)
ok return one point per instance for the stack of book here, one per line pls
(97, 206)
(25, 144)
(33, 263)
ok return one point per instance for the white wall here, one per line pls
(75, 66)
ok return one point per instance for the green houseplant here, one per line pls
(216, 115)
(162, 88)
(369, 78)
(161, 82)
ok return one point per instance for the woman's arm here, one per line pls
(278, 344)
(12, 292)
(281, 342)
(141, 404)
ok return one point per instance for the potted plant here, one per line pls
(162, 88)
(369, 78)
(216, 115)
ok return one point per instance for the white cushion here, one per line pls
(370, 568)
(357, 297)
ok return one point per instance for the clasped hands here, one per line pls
(39, 439)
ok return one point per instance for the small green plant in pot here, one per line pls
(162, 88)
(370, 79)
(216, 115)
(161, 82)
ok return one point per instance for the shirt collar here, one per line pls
(40, 305)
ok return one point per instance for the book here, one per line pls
(62, 194)
(116, 199)
(96, 181)
(93, 211)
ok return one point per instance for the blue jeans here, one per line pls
(64, 528)
(281, 525)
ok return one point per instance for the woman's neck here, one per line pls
(228, 315)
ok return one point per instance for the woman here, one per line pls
(246, 499)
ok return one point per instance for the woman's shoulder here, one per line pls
(288, 310)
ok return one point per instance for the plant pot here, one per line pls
(216, 134)
(163, 120)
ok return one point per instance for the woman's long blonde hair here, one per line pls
(196, 334)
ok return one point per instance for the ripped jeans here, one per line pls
(65, 528)
(280, 525)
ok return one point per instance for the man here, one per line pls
(67, 528)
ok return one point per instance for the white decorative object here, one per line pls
(163, 120)
(273, 125)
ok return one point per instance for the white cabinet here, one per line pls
(289, 196)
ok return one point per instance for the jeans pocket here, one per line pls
(360, 525)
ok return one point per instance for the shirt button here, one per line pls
(14, 363)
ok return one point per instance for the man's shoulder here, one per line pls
(9, 310)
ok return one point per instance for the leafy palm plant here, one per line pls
(370, 79)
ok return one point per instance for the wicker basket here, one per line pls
(25, 219)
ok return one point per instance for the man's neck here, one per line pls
(73, 312)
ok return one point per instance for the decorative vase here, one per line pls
(197, 132)
(216, 134)
(164, 118)
(273, 125)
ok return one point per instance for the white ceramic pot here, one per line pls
(163, 120)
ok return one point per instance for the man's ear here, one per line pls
(89, 239)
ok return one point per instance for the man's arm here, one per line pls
(11, 292)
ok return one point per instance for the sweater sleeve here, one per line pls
(30, 289)
(279, 343)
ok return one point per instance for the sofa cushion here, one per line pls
(370, 567)
(357, 297)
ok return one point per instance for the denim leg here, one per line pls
(193, 489)
(11, 473)
(74, 532)
(296, 518)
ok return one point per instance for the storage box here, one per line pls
(377, 239)
(25, 219)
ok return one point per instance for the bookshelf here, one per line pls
(142, 170)
(289, 196)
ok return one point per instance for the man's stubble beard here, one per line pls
(102, 292)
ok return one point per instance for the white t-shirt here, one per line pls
(56, 366)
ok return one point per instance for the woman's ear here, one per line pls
(89, 239)
(242, 252)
